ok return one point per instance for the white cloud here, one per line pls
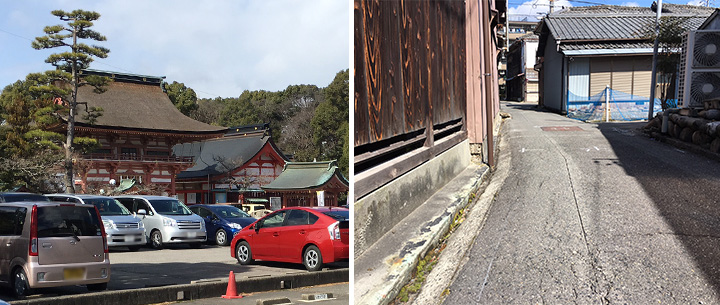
(534, 10)
(697, 2)
(218, 48)
(633, 4)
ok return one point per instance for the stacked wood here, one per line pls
(715, 145)
(686, 134)
(700, 138)
(703, 129)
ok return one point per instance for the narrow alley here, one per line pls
(594, 214)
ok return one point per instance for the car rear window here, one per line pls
(57, 221)
(24, 197)
(340, 215)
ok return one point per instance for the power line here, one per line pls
(96, 60)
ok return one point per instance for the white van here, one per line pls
(123, 229)
(167, 220)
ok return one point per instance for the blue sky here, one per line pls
(520, 9)
(218, 48)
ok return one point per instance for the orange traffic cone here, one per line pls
(231, 292)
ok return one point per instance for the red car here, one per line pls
(312, 236)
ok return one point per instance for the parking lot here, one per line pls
(174, 265)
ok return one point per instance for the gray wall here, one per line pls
(553, 77)
(378, 212)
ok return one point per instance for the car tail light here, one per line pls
(102, 228)
(334, 230)
(33, 249)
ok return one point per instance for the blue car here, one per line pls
(222, 221)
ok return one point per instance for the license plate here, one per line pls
(321, 296)
(129, 238)
(192, 234)
(74, 273)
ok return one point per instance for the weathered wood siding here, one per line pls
(409, 66)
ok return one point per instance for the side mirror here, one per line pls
(142, 212)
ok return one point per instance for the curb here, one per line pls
(683, 145)
(201, 290)
(399, 268)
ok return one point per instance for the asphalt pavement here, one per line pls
(593, 214)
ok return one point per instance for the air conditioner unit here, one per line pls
(700, 68)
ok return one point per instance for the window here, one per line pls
(12, 220)
(170, 207)
(157, 153)
(57, 221)
(204, 213)
(105, 151)
(129, 150)
(297, 218)
(274, 220)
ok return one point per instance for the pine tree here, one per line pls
(69, 65)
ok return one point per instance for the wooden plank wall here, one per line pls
(409, 66)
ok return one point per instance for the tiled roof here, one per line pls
(610, 22)
(212, 157)
(607, 45)
(306, 175)
(138, 102)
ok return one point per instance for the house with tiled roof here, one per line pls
(138, 127)
(584, 50)
(231, 168)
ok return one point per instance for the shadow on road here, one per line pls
(684, 189)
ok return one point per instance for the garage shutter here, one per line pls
(622, 77)
(600, 74)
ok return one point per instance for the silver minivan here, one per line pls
(123, 229)
(51, 244)
(167, 220)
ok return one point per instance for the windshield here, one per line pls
(170, 207)
(341, 215)
(228, 212)
(108, 206)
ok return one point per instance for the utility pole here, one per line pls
(653, 79)
(552, 5)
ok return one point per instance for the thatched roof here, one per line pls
(137, 102)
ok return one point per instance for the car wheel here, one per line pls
(156, 240)
(221, 238)
(133, 248)
(97, 287)
(312, 258)
(243, 253)
(195, 245)
(21, 286)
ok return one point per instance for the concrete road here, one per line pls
(594, 214)
(339, 291)
(176, 264)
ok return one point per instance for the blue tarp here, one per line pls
(623, 106)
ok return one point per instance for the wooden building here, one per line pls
(137, 130)
(232, 168)
(309, 184)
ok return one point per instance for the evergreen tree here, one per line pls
(182, 97)
(69, 65)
